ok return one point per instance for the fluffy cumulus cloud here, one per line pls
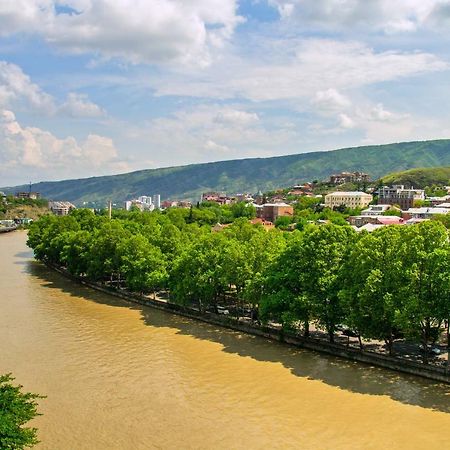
(79, 105)
(387, 16)
(31, 149)
(136, 31)
(19, 92)
(17, 89)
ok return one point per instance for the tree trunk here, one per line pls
(425, 346)
(361, 347)
(306, 330)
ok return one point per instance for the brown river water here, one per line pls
(123, 376)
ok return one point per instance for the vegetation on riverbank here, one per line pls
(14, 208)
(391, 283)
(16, 409)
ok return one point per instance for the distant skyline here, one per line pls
(97, 87)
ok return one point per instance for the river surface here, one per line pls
(123, 376)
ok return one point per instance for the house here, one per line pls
(354, 199)
(267, 225)
(376, 210)
(31, 195)
(399, 195)
(369, 227)
(349, 177)
(216, 197)
(271, 211)
(423, 213)
(61, 208)
(360, 221)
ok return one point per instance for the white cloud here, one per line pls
(17, 89)
(346, 122)
(301, 69)
(330, 100)
(236, 117)
(79, 105)
(388, 16)
(136, 31)
(27, 149)
(211, 132)
(379, 113)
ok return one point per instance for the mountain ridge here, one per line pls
(246, 175)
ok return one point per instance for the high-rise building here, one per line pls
(157, 201)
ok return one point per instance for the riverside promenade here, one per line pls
(431, 371)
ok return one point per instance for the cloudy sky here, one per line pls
(95, 87)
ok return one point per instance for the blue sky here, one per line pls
(95, 87)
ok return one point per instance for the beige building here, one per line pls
(349, 199)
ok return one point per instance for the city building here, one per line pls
(60, 208)
(216, 197)
(359, 221)
(348, 199)
(144, 203)
(349, 177)
(32, 195)
(271, 211)
(399, 195)
(157, 201)
(377, 210)
(423, 213)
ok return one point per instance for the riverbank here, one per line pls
(431, 372)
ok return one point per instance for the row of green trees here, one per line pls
(392, 282)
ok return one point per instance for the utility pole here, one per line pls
(109, 209)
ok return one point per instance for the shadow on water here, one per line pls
(347, 375)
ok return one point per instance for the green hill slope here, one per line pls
(187, 182)
(420, 178)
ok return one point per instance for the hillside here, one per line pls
(420, 178)
(20, 208)
(188, 182)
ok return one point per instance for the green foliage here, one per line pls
(425, 176)
(16, 409)
(396, 279)
(251, 175)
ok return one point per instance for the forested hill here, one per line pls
(420, 178)
(187, 182)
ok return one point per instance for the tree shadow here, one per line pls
(334, 371)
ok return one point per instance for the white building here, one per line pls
(426, 213)
(353, 199)
(375, 210)
(61, 208)
(157, 201)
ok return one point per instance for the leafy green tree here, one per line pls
(374, 284)
(75, 254)
(326, 248)
(105, 259)
(16, 409)
(242, 209)
(197, 274)
(284, 299)
(142, 264)
(428, 273)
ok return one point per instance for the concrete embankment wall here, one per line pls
(354, 354)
